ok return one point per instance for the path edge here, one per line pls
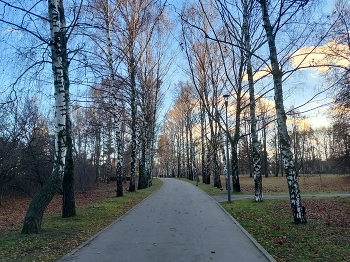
(256, 243)
(86, 242)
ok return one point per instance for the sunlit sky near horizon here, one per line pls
(307, 84)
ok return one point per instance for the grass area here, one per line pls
(60, 235)
(212, 191)
(209, 189)
(326, 236)
(325, 183)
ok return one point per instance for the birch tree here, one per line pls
(271, 30)
(204, 171)
(181, 129)
(248, 11)
(68, 200)
(32, 24)
(136, 19)
(34, 215)
(109, 18)
(101, 26)
(233, 32)
(153, 67)
(206, 77)
(233, 40)
(337, 53)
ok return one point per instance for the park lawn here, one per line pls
(326, 236)
(325, 183)
(60, 235)
(209, 189)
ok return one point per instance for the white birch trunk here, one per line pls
(59, 94)
(193, 157)
(295, 199)
(255, 142)
(68, 199)
(120, 160)
(39, 203)
(132, 75)
(113, 86)
(205, 179)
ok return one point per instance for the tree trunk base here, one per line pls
(236, 187)
(68, 200)
(142, 185)
(31, 225)
(39, 203)
(258, 188)
(217, 182)
(258, 198)
(299, 215)
(132, 186)
(119, 187)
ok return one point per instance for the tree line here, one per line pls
(251, 52)
(116, 52)
(109, 64)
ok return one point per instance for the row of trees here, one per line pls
(229, 38)
(316, 150)
(117, 54)
(117, 50)
(250, 50)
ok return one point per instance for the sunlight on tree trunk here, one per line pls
(35, 212)
(255, 142)
(295, 199)
(68, 200)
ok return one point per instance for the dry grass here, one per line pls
(324, 238)
(95, 210)
(13, 209)
(307, 183)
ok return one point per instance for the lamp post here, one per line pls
(227, 154)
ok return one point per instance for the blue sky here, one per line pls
(308, 80)
(302, 86)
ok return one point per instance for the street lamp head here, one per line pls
(226, 100)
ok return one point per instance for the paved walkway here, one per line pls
(223, 198)
(177, 223)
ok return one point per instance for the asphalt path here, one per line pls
(177, 223)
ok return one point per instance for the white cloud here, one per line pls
(11, 30)
(319, 121)
(259, 74)
(322, 57)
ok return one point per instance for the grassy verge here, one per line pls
(324, 238)
(210, 190)
(325, 183)
(311, 184)
(59, 235)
